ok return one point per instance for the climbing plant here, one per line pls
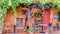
(55, 3)
(6, 4)
(43, 2)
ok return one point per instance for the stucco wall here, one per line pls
(9, 19)
(53, 20)
(20, 15)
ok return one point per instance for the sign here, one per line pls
(42, 25)
(55, 15)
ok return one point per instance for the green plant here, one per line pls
(59, 15)
(56, 3)
(36, 14)
(6, 4)
(40, 13)
(31, 30)
(43, 2)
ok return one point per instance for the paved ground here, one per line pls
(56, 32)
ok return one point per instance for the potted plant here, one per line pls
(37, 15)
(30, 30)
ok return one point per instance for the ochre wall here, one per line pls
(9, 19)
(20, 15)
(53, 20)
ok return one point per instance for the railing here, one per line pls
(37, 28)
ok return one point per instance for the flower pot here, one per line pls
(30, 32)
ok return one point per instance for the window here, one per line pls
(19, 22)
